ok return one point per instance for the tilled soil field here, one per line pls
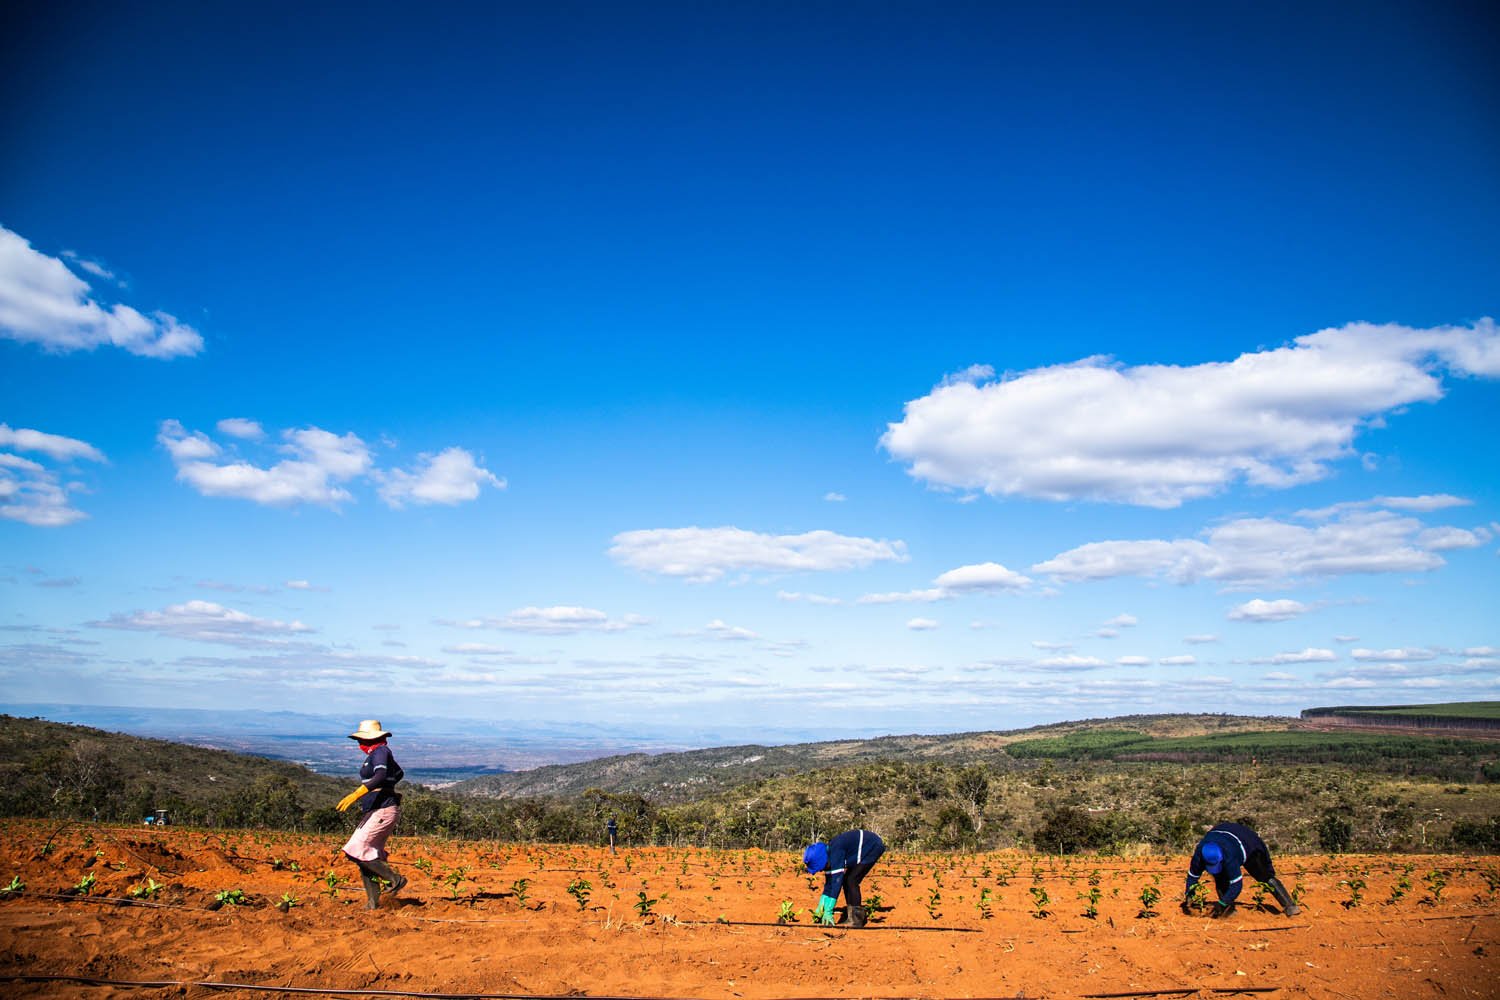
(139, 912)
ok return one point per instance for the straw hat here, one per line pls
(370, 729)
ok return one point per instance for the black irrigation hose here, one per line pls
(822, 927)
(1186, 991)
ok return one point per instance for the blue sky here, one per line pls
(804, 369)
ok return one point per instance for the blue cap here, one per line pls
(815, 857)
(1213, 857)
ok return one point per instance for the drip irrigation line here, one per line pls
(821, 927)
(1186, 991)
(116, 901)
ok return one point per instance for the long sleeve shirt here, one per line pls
(379, 773)
(857, 847)
(1237, 842)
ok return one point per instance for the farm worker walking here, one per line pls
(612, 829)
(1222, 852)
(845, 861)
(380, 805)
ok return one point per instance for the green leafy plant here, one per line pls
(983, 905)
(287, 901)
(1436, 881)
(231, 897)
(1198, 895)
(146, 890)
(1092, 898)
(580, 889)
(424, 865)
(1039, 901)
(874, 901)
(645, 905)
(331, 882)
(455, 878)
(85, 885)
(934, 904)
(521, 889)
(788, 912)
(1149, 896)
(1399, 889)
(15, 887)
(1356, 892)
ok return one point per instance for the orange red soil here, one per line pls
(479, 917)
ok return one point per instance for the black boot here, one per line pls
(858, 916)
(1288, 906)
(372, 888)
(394, 882)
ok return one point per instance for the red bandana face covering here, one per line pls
(367, 747)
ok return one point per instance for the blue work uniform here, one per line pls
(1242, 848)
(851, 855)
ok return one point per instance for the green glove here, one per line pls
(824, 911)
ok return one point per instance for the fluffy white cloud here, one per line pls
(926, 596)
(1122, 621)
(205, 621)
(558, 620)
(982, 576)
(1268, 611)
(1157, 435)
(1134, 661)
(834, 497)
(793, 597)
(449, 477)
(1183, 660)
(240, 427)
(922, 624)
(702, 555)
(320, 461)
(1200, 639)
(1071, 661)
(43, 302)
(733, 633)
(1395, 655)
(32, 493)
(1262, 550)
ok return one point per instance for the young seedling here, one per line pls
(85, 885)
(983, 906)
(1149, 895)
(15, 888)
(146, 890)
(874, 901)
(424, 865)
(934, 901)
(580, 889)
(1092, 896)
(331, 882)
(788, 912)
(1039, 901)
(1198, 895)
(645, 905)
(521, 889)
(1356, 892)
(1401, 887)
(455, 878)
(287, 901)
(1436, 881)
(231, 897)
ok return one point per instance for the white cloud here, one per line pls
(1278, 675)
(1134, 661)
(1446, 538)
(42, 302)
(241, 427)
(1122, 621)
(1158, 435)
(32, 493)
(1308, 655)
(1268, 611)
(54, 446)
(1200, 639)
(321, 460)
(719, 630)
(449, 477)
(559, 620)
(833, 497)
(702, 555)
(1183, 660)
(1257, 551)
(1072, 661)
(922, 624)
(205, 621)
(1394, 655)
(927, 596)
(793, 597)
(1425, 503)
(981, 576)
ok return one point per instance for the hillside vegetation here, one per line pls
(1114, 785)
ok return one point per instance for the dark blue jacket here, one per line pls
(379, 773)
(1238, 842)
(857, 847)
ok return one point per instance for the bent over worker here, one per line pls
(845, 861)
(1222, 852)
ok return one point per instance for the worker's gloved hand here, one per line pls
(1222, 909)
(824, 910)
(351, 798)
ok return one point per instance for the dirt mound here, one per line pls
(668, 922)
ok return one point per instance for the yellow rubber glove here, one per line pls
(351, 798)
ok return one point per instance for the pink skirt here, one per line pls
(370, 834)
